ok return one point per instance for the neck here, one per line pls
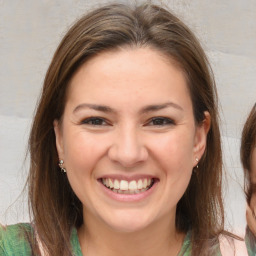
(159, 238)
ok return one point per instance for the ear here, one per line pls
(59, 138)
(201, 137)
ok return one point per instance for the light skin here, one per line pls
(253, 165)
(129, 116)
(251, 211)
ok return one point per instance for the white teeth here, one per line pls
(111, 184)
(116, 184)
(145, 183)
(139, 186)
(132, 185)
(125, 187)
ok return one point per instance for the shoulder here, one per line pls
(14, 239)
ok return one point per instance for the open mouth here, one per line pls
(128, 187)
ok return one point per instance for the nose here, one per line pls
(128, 148)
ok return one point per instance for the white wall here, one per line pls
(29, 33)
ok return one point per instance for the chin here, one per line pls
(128, 223)
(127, 228)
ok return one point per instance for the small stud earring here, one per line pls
(61, 162)
(197, 160)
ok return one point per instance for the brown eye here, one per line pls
(95, 121)
(161, 121)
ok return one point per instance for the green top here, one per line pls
(14, 241)
(250, 241)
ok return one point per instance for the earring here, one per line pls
(61, 162)
(195, 169)
(197, 160)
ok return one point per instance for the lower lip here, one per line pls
(129, 197)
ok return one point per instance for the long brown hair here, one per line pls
(55, 208)
(248, 142)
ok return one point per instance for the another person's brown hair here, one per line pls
(248, 142)
(54, 206)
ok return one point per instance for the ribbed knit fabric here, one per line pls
(14, 241)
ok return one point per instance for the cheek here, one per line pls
(83, 151)
(175, 151)
(82, 154)
(174, 155)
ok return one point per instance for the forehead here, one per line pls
(128, 73)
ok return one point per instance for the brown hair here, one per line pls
(55, 207)
(248, 142)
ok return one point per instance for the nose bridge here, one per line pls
(128, 147)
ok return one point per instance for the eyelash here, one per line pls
(164, 121)
(95, 121)
(156, 121)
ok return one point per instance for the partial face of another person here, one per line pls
(128, 138)
(251, 211)
(253, 179)
(253, 164)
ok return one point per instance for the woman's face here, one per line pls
(128, 139)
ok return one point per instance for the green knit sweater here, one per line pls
(14, 241)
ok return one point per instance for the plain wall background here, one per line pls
(29, 34)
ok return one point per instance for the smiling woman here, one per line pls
(118, 154)
(129, 114)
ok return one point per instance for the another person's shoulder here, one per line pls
(14, 239)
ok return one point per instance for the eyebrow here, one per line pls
(146, 109)
(152, 108)
(96, 107)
